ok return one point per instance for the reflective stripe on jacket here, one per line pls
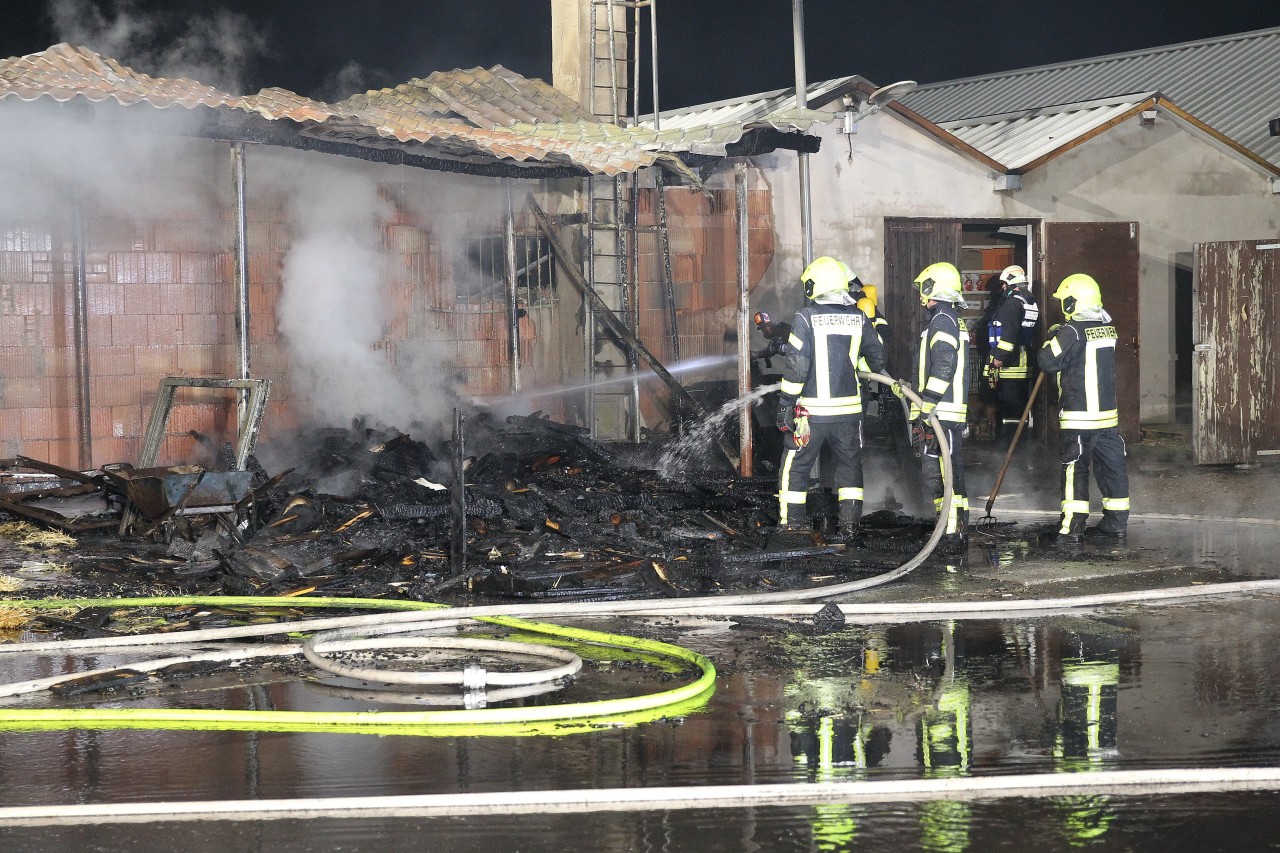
(1083, 354)
(827, 342)
(1016, 318)
(942, 365)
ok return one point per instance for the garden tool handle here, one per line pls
(1008, 456)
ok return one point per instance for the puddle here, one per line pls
(1190, 686)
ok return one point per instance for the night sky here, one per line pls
(709, 49)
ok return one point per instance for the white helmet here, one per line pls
(1012, 276)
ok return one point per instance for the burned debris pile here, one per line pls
(550, 513)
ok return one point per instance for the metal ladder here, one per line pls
(613, 395)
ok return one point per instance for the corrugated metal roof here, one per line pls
(1231, 83)
(469, 116)
(775, 109)
(1018, 139)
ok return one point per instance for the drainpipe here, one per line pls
(80, 302)
(242, 277)
(744, 320)
(802, 102)
(513, 306)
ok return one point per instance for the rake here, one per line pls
(988, 519)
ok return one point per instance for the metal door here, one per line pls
(1108, 251)
(1234, 413)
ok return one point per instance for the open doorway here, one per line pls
(985, 250)
(1183, 349)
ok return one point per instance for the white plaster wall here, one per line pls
(1180, 188)
(893, 170)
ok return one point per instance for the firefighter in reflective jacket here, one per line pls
(1011, 335)
(1083, 354)
(942, 382)
(819, 401)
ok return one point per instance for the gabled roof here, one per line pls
(1231, 83)
(480, 121)
(1023, 140)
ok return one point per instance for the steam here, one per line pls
(214, 49)
(333, 307)
(144, 169)
(348, 80)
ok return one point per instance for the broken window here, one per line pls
(535, 270)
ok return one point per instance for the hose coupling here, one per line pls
(474, 677)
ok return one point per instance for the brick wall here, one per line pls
(161, 302)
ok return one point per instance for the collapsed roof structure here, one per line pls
(490, 122)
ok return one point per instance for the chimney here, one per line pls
(572, 40)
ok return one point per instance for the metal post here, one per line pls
(458, 502)
(664, 247)
(653, 58)
(241, 273)
(80, 302)
(802, 102)
(513, 305)
(613, 63)
(745, 445)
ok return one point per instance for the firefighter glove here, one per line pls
(896, 388)
(921, 436)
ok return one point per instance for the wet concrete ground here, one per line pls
(1133, 687)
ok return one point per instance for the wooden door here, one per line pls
(910, 245)
(1235, 321)
(1108, 251)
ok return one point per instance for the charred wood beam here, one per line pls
(777, 556)
(50, 468)
(616, 327)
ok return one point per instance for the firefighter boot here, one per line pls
(850, 519)
(1113, 524)
(1073, 535)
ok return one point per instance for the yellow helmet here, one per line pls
(867, 306)
(1078, 292)
(1012, 276)
(939, 282)
(825, 275)
(870, 291)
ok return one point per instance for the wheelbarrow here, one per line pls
(158, 494)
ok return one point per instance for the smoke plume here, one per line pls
(214, 48)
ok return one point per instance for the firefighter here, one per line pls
(819, 401)
(1011, 335)
(869, 302)
(1083, 354)
(942, 382)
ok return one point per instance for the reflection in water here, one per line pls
(1087, 737)
(945, 735)
(953, 684)
(795, 703)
